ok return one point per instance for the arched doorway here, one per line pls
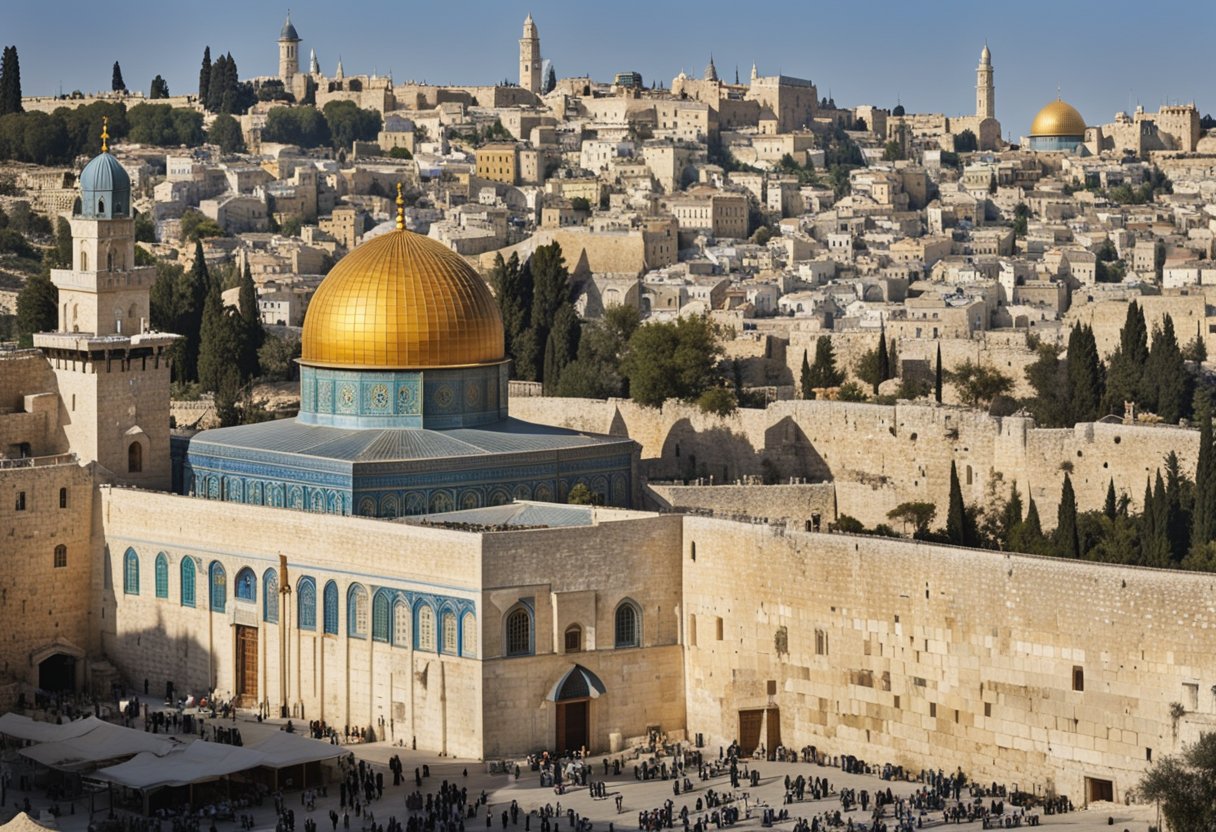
(57, 673)
(573, 695)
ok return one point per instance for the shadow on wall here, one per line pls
(724, 455)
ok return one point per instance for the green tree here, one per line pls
(892, 151)
(937, 376)
(348, 123)
(823, 370)
(1011, 515)
(1167, 386)
(1066, 522)
(192, 296)
(159, 89)
(718, 400)
(965, 142)
(1184, 786)
(671, 361)
(596, 372)
(1021, 219)
(37, 308)
(917, 515)
(302, 126)
(10, 82)
(226, 133)
(1027, 536)
(1125, 374)
(204, 76)
(116, 82)
(869, 369)
(220, 345)
(956, 513)
(165, 126)
(252, 335)
(197, 226)
(561, 347)
(1203, 525)
(581, 495)
(60, 257)
(512, 286)
(1110, 507)
(1085, 376)
(978, 384)
(884, 358)
(804, 378)
(1051, 404)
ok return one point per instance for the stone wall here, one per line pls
(798, 504)
(1015, 668)
(879, 456)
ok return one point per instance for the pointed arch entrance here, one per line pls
(573, 694)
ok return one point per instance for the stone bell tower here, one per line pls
(529, 58)
(112, 372)
(985, 90)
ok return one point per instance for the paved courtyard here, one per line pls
(636, 796)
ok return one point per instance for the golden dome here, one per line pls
(1058, 119)
(402, 301)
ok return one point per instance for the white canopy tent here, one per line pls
(283, 750)
(103, 743)
(24, 728)
(196, 763)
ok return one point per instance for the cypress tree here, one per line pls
(823, 371)
(808, 392)
(215, 87)
(884, 360)
(37, 307)
(1166, 382)
(1085, 382)
(1034, 528)
(1110, 508)
(10, 82)
(204, 76)
(956, 515)
(1203, 525)
(160, 88)
(1148, 524)
(937, 381)
(1066, 522)
(251, 321)
(116, 82)
(1124, 381)
(1159, 544)
(1011, 515)
(193, 296)
(1177, 524)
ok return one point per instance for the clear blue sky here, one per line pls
(1102, 55)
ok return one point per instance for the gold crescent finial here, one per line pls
(400, 209)
(105, 134)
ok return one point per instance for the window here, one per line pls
(425, 633)
(63, 498)
(1078, 677)
(306, 601)
(270, 597)
(450, 644)
(628, 629)
(187, 582)
(574, 639)
(720, 628)
(933, 709)
(61, 556)
(130, 573)
(246, 585)
(519, 632)
(162, 575)
(331, 609)
(20, 501)
(468, 635)
(356, 611)
(401, 624)
(217, 580)
(380, 630)
(821, 643)
(135, 458)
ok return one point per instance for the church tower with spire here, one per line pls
(985, 90)
(289, 52)
(112, 371)
(529, 58)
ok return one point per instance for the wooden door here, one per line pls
(246, 666)
(573, 725)
(749, 731)
(774, 730)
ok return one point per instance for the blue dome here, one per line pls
(105, 189)
(289, 31)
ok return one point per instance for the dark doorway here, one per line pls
(572, 725)
(774, 730)
(57, 673)
(246, 666)
(1096, 790)
(749, 731)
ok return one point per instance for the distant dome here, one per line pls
(289, 31)
(105, 189)
(1058, 119)
(899, 110)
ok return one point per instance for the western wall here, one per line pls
(879, 456)
(1048, 674)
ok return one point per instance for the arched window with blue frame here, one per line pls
(270, 596)
(187, 582)
(449, 639)
(306, 599)
(380, 626)
(356, 611)
(401, 623)
(246, 585)
(468, 635)
(424, 628)
(331, 609)
(162, 575)
(130, 572)
(217, 581)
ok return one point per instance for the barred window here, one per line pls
(519, 632)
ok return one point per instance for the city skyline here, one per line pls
(928, 65)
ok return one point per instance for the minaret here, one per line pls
(112, 372)
(314, 66)
(985, 90)
(529, 58)
(289, 52)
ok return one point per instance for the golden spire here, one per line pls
(400, 209)
(105, 134)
